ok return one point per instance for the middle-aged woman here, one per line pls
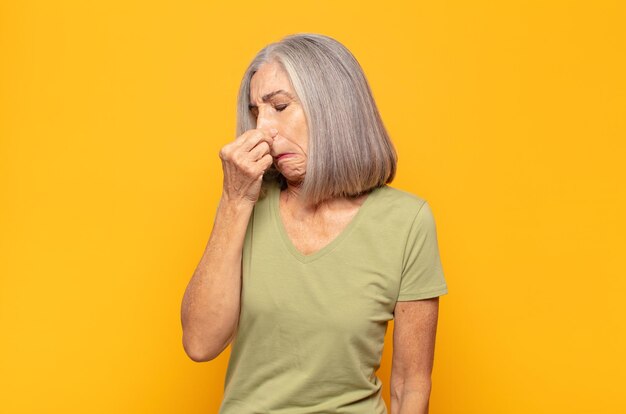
(311, 252)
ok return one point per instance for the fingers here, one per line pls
(259, 151)
(249, 154)
(251, 138)
(265, 162)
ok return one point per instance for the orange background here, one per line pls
(508, 118)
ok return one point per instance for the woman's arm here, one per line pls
(414, 331)
(210, 309)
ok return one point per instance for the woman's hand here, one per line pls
(244, 161)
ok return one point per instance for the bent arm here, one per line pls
(211, 304)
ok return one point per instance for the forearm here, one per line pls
(210, 308)
(411, 398)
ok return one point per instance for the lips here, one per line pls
(283, 155)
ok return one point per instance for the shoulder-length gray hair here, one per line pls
(349, 149)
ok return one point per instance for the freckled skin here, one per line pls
(291, 122)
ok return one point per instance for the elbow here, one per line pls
(199, 356)
(198, 353)
(206, 348)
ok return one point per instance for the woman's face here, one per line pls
(274, 104)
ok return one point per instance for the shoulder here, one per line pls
(398, 201)
(392, 211)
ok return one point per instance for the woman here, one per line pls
(312, 253)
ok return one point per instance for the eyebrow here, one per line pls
(270, 95)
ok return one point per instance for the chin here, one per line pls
(292, 177)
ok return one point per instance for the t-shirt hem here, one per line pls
(430, 293)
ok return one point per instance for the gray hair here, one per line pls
(349, 149)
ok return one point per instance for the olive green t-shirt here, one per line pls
(312, 327)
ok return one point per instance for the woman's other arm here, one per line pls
(414, 332)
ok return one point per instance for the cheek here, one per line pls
(302, 131)
(295, 130)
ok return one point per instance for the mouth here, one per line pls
(283, 155)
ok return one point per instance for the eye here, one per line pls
(281, 108)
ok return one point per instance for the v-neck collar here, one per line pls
(307, 258)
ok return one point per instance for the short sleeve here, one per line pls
(422, 274)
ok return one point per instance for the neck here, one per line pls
(292, 195)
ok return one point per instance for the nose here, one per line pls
(265, 119)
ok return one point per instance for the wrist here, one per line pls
(235, 205)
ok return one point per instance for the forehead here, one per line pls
(269, 78)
